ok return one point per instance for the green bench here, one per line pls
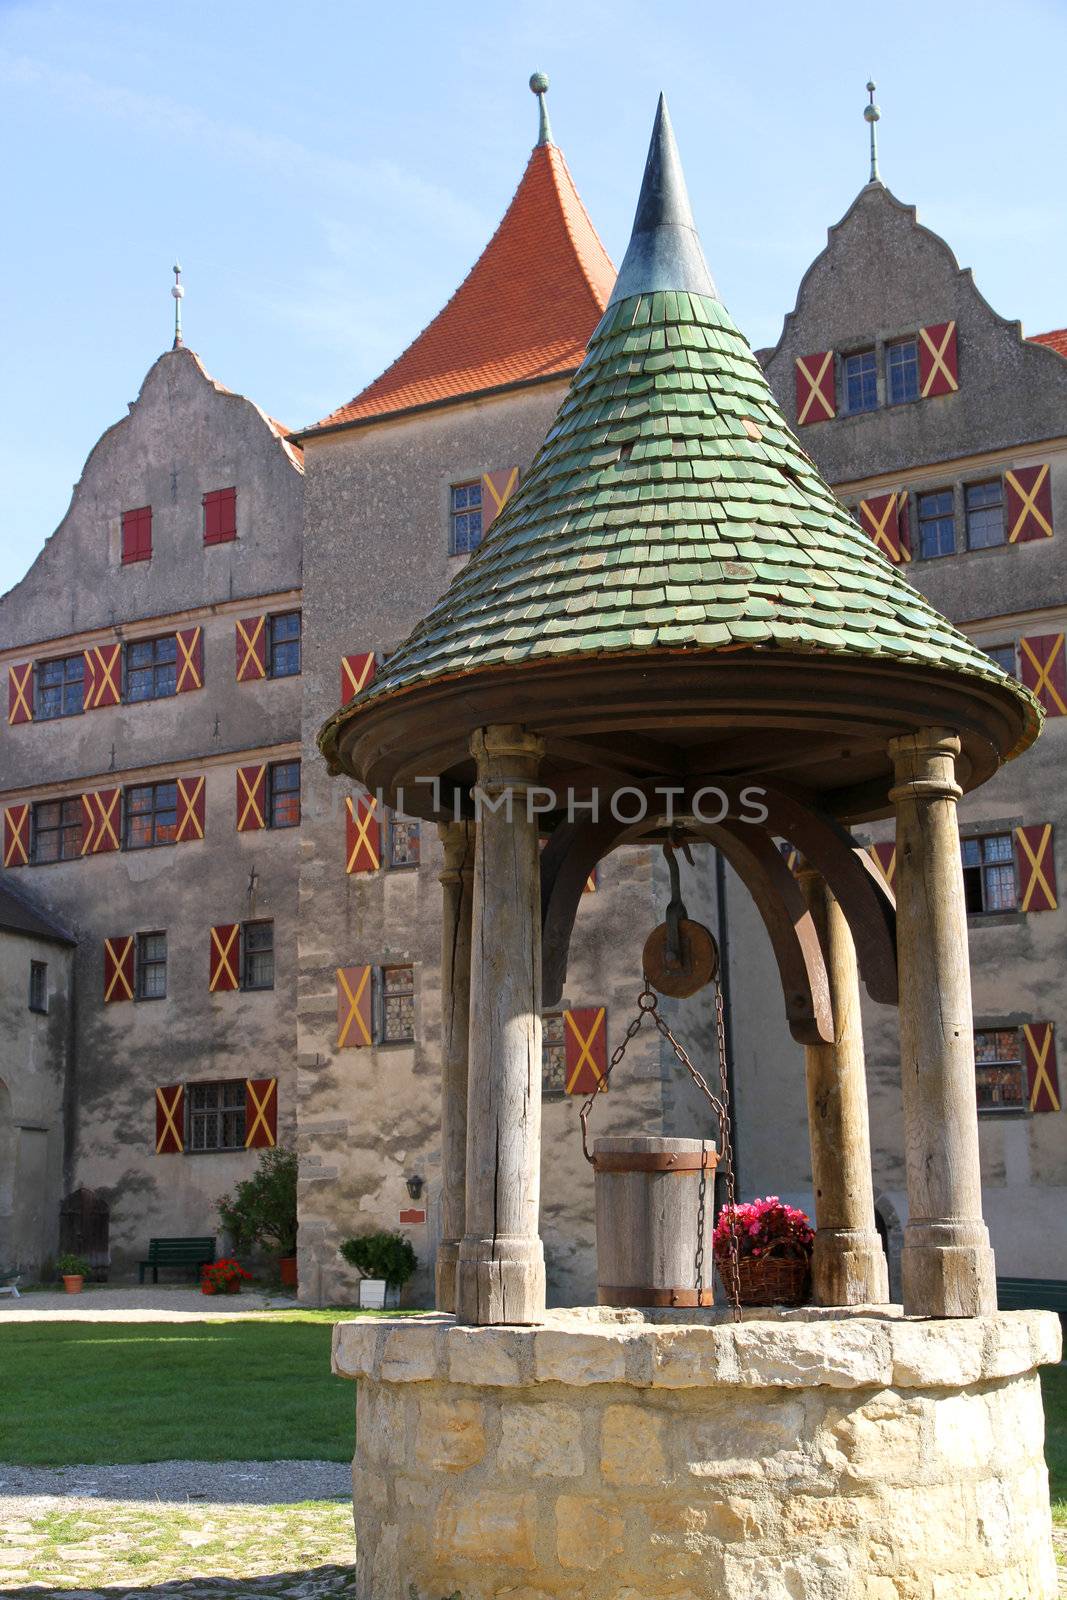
(1032, 1294)
(187, 1254)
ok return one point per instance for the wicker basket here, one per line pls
(770, 1281)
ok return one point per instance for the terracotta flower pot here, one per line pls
(287, 1268)
(72, 1282)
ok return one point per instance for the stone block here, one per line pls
(936, 1354)
(409, 1355)
(818, 1515)
(631, 1446)
(380, 1426)
(737, 1439)
(962, 1432)
(490, 1528)
(579, 1358)
(588, 1532)
(544, 1441)
(450, 1435)
(701, 1527)
(883, 1440)
(490, 1356)
(848, 1354)
(354, 1349)
(684, 1358)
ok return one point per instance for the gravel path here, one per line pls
(130, 1303)
(253, 1483)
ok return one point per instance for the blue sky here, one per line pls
(328, 172)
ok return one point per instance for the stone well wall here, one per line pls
(610, 1456)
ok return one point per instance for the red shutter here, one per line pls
(224, 957)
(103, 676)
(170, 1120)
(363, 835)
(190, 810)
(261, 1113)
(885, 518)
(88, 679)
(251, 799)
(250, 637)
(354, 1008)
(816, 394)
(938, 368)
(118, 968)
(1042, 669)
(885, 857)
(17, 836)
(220, 516)
(101, 821)
(356, 672)
(1035, 865)
(1028, 502)
(190, 643)
(497, 489)
(585, 1048)
(1042, 1073)
(20, 693)
(137, 535)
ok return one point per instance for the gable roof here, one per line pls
(1056, 339)
(20, 916)
(523, 313)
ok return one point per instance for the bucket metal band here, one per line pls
(615, 1294)
(655, 1160)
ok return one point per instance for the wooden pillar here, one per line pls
(848, 1266)
(501, 1270)
(947, 1264)
(457, 882)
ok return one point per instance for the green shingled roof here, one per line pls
(670, 507)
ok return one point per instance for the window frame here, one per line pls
(37, 1001)
(871, 351)
(1009, 644)
(220, 1110)
(922, 522)
(389, 854)
(143, 965)
(132, 551)
(60, 828)
(280, 644)
(273, 794)
(983, 866)
(385, 1037)
(40, 689)
(129, 814)
(154, 668)
(991, 1108)
(247, 953)
(464, 513)
(892, 345)
(551, 1089)
(984, 483)
(221, 498)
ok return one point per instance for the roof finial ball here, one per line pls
(539, 86)
(871, 114)
(179, 293)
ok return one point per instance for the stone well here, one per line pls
(622, 1455)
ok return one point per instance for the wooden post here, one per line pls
(848, 1266)
(947, 1264)
(501, 1271)
(457, 881)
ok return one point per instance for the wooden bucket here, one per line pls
(649, 1220)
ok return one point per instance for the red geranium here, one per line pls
(223, 1277)
(762, 1228)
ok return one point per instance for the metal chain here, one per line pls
(733, 1287)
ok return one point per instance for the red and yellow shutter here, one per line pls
(356, 672)
(363, 834)
(1042, 669)
(170, 1120)
(1042, 1073)
(251, 799)
(250, 638)
(885, 859)
(592, 883)
(190, 642)
(20, 693)
(118, 968)
(101, 821)
(791, 856)
(1028, 503)
(190, 810)
(17, 836)
(224, 957)
(816, 391)
(938, 363)
(103, 676)
(355, 997)
(261, 1113)
(885, 519)
(497, 489)
(1035, 865)
(585, 1048)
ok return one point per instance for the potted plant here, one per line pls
(73, 1270)
(773, 1243)
(261, 1211)
(386, 1262)
(224, 1276)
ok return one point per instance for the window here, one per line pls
(902, 371)
(38, 985)
(465, 518)
(283, 795)
(152, 668)
(998, 1069)
(398, 1005)
(403, 842)
(220, 516)
(553, 1053)
(1004, 656)
(57, 830)
(284, 645)
(216, 1115)
(989, 873)
(861, 381)
(151, 815)
(137, 535)
(257, 952)
(937, 524)
(151, 966)
(60, 688)
(985, 514)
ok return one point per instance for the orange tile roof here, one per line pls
(524, 311)
(1057, 339)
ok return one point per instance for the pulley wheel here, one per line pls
(699, 962)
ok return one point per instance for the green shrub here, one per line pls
(382, 1255)
(262, 1209)
(72, 1266)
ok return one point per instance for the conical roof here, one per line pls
(670, 509)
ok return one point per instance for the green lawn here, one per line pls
(1054, 1389)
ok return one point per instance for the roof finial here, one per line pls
(179, 293)
(872, 113)
(539, 85)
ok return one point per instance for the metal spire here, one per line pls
(872, 113)
(539, 85)
(179, 293)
